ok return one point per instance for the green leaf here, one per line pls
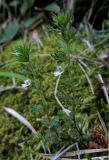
(24, 7)
(55, 122)
(28, 22)
(62, 21)
(1, 2)
(67, 97)
(53, 7)
(38, 107)
(63, 44)
(60, 56)
(50, 138)
(46, 121)
(30, 2)
(69, 81)
(12, 75)
(14, 3)
(37, 136)
(10, 32)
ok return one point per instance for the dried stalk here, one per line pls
(87, 77)
(59, 154)
(103, 88)
(80, 152)
(23, 121)
(102, 123)
(20, 118)
(9, 88)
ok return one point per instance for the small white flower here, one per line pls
(26, 84)
(59, 71)
(67, 111)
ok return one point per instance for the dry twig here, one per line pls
(103, 88)
(87, 77)
(80, 152)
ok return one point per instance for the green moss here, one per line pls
(74, 92)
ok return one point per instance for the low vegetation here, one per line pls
(59, 83)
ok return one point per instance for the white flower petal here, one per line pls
(59, 71)
(24, 86)
(27, 82)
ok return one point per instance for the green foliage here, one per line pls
(37, 108)
(19, 15)
(39, 105)
(54, 127)
(38, 136)
(59, 56)
(14, 3)
(62, 21)
(22, 53)
(62, 44)
(12, 75)
(52, 7)
(61, 53)
(28, 22)
(25, 6)
(50, 138)
(10, 32)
